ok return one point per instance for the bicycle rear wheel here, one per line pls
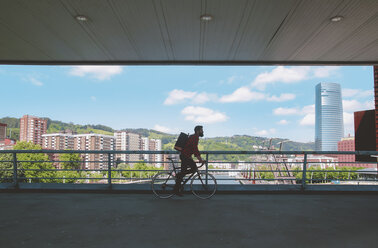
(163, 183)
(203, 185)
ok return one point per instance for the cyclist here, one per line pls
(191, 147)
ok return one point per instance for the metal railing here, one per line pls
(243, 170)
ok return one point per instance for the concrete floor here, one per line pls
(141, 220)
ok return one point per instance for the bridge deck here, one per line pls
(141, 220)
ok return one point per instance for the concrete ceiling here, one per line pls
(171, 32)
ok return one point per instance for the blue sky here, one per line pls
(269, 101)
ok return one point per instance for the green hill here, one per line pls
(234, 143)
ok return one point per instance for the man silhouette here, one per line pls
(190, 148)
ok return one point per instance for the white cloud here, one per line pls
(243, 94)
(286, 111)
(96, 71)
(308, 120)
(178, 96)
(291, 75)
(357, 93)
(283, 97)
(93, 98)
(203, 97)
(281, 74)
(231, 79)
(283, 122)
(262, 133)
(324, 71)
(35, 82)
(203, 115)
(348, 119)
(354, 105)
(308, 109)
(265, 132)
(351, 106)
(163, 129)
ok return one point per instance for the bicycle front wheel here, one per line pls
(203, 185)
(163, 184)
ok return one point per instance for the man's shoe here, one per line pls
(178, 193)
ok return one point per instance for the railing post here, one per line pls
(207, 167)
(110, 170)
(15, 179)
(304, 172)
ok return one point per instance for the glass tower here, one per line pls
(329, 124)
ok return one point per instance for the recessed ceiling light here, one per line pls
(81, 18)
(206, 18)
(336, 18)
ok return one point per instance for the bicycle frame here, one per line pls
(201, 189)
(188, 178)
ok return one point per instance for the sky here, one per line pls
(267, 101)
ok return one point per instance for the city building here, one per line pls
(146, 147)
(346, 144)
(376, 105)
(3, 131)
(366, 127)
(127, 141)
(7, 144)
(58, 141)
(32, 128)
(329, 125)
(321, 161)
(98, 142)
(364, 130)
(155, 145)
(168, 164)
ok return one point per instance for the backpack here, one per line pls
(181, 141)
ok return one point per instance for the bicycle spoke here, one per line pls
(163, 184)
(203, 188)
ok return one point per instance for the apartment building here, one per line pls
(32, 128)
(58, 141)
(3, 131)
(98, 142)
(127, 141)
(146, 147)
(155, 145)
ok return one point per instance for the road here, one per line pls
(142, 220)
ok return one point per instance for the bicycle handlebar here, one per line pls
(203, 162)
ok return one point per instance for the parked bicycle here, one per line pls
(202, 184)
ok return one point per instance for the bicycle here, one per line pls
(203, 184)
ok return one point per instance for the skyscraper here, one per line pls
(329, 124)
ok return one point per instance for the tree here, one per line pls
(40, 171)
(6, 168)
(71, 161)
